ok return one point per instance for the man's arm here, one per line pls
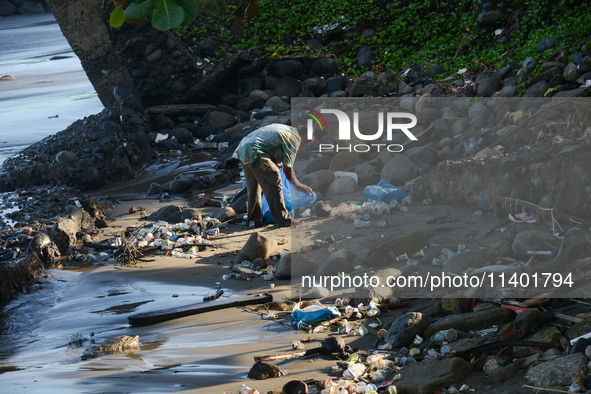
(290, 175)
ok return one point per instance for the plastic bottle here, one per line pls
(304, 326)
(183, 255)
(403, 209)
(306, 213)
(244, 389)
(80, 336)
(229, 276)
(224, 201)
(361, 331)
(361, 224)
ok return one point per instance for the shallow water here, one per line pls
(44, 88)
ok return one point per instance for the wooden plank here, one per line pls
(145, 319)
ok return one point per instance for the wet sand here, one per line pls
(211, 352)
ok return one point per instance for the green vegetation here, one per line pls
(407, 32)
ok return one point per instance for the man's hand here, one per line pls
(303, 188)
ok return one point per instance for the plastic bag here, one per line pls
(314, 315)
(294, 199)
(384, 191)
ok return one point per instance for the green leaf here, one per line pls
(222, 4)
(191, 10)
(140, 8)
(105, 3)
(117, 17)
(168, 15)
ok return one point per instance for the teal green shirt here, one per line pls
(269, 145)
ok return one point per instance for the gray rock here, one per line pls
(532, 240)
(404, 329)
(314, 43)
(180, 185)
(522, 75)
(94, 178)
(471, 321)
(178, 87)
(433, 71)
(490, 17)
(485, 200)
(422, 155)
(155, 190)
(63, 233)
(319, 163)
(339, 93)
(463, 261)
(223, 214)
(366, 294)
(317, 86)
(428, 377)
(288, 86)
(446, 142)
(368, 175)
(260, 94)
(344, 160)
(460, 126)
(399, 170)
(366, 56)
(248, 103)
(530, 63)
(6, 8)
(162, 121)
(537, 90)
(262, 371)
(548, 43)
(287, 68)
(334, 266)
(277, 104)
(360, 90)
(66, 157)
(585, 65)
(318, 180)
(293, 266)
(557, 372)
(240, 204)
(183, 136)
(31, 8)
(342, 185)
(335, 84)
(325, 66)
(221, 119)
(547, 201)
(504, 71)
(175, 214)
(488, 86)
(249, 85)
(479, 110)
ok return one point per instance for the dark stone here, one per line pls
(222, 120)
(206, 131)
(287, 68)
(548, 43)
(183, 136)
(288, 86)
(263, 114)
(317, 164)
(314, 43)
(360, 90)
(537, 90)
(433, 71)
(429, 377)
(334, 266)
(30, 8)
(488, 86)
(6, 8)
(585, 64)
(530, 63)
(366, 56)
(504, 71)
(94, 178)
(248, 103)
(368, 174)
(422, 155)
(249, 85)
(180, 185)
(162, 121)
(404, 329)
(66, 157)
(325, 66)
(142, 141)
(175, 214)
(261, 371)
(335, 84)
(344, 160)
(155, 190)
(488, 18)
(317, 86)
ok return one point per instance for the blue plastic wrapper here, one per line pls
(384, 191)
(294, 199)
(310, 315)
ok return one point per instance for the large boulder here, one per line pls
(287, 68)
(342, 185)
(175, 214)
(319, 181)
(220, 119)
(404, 329)
(319, 163)
(399, 170)
(30, 8)
(368, 175)
(336, 84)
(557, 372)
(317, 86)
(472, 321)
(325, 66)
(366, 56)
(288, 86)
(422, 155)
(6, 8)
(334, 266)
(379, 256)
(344, 160)
(532, 240)
(63, 233)
(429, 377)
(277, 104)
(293, 266)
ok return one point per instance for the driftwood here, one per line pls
(545, 214)
(145, 319)
(180, 109)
